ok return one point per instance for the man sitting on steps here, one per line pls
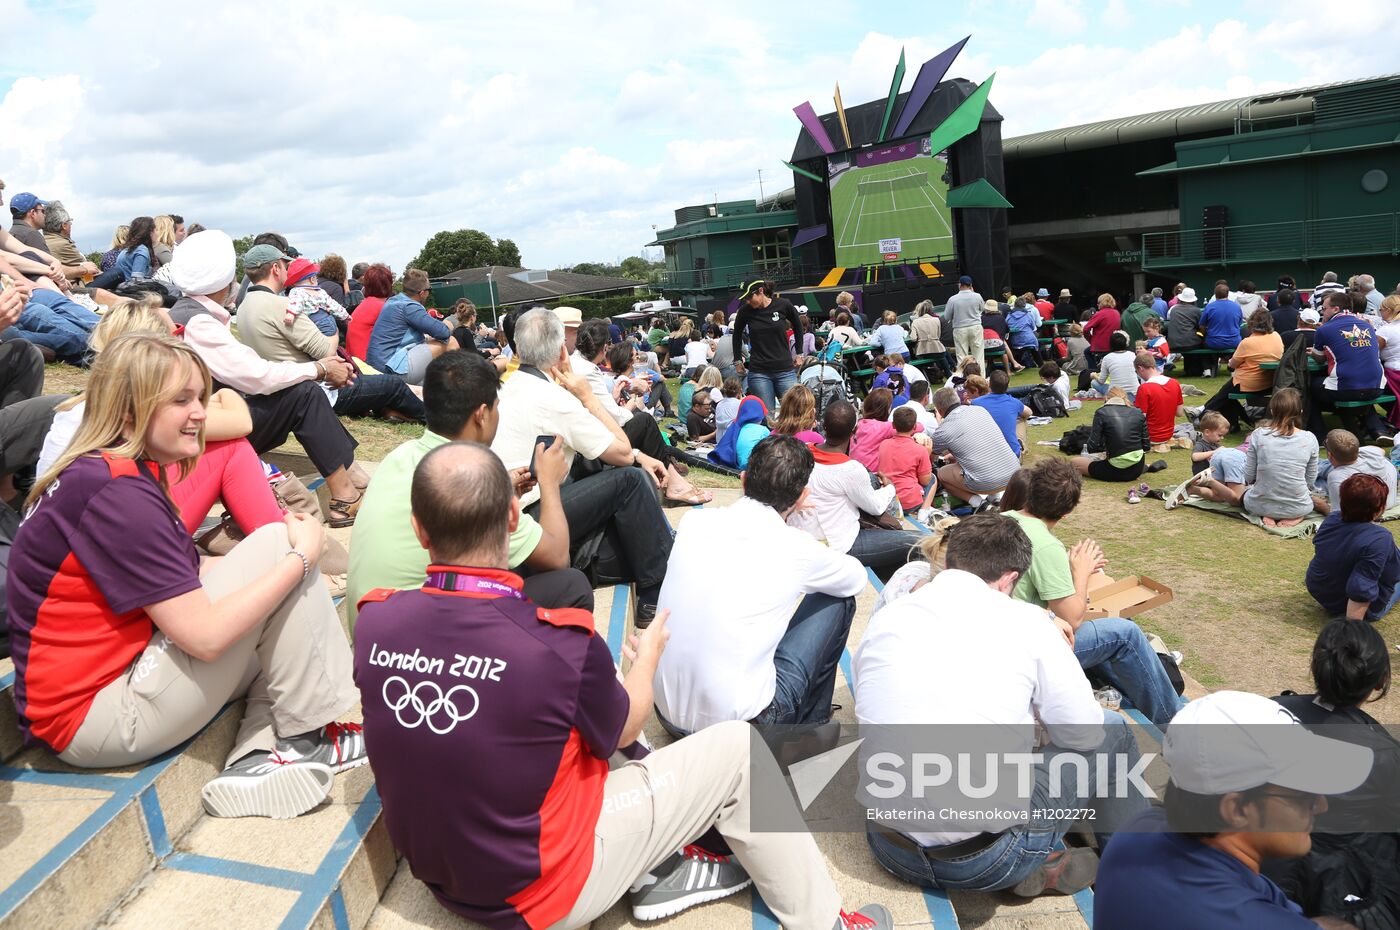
(490, 722)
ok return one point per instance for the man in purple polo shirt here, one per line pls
(490, 721)
(1347, 342)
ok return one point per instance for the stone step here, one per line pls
(10, 741)
(77, 841)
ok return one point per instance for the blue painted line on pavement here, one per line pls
(315, 483)
(91, 782)
(124, 791)
(940, 909)
(232, 869)
(617, 621)
(155, 823)
(7, 680)
(340, 917)
(325, 882)
(763, 918)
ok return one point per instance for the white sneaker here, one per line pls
(263, 784)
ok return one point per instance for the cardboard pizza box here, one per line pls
(1126, 597)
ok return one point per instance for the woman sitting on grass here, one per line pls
(1119, 431)
(1355, 569)
(1279, 469)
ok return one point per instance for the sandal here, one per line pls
(691, 498)
(341, 513)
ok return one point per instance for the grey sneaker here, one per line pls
(690, 877)
(870, 917)
(263, 784)
(340, 746)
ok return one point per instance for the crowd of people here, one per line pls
(542, 474)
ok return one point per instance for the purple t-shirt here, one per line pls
(102, 543)
(1353, 354)
(489, 722)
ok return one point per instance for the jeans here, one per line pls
(883, 551)
(43, 326)
(768, 386)
(1023, 848)
(1373, 614)
(70, 310)
(372, 395)
(1364, 422)
(623, 502)
(1117, 650)
(1103, 387)
(806, 660)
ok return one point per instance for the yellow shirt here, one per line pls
(1252, 350)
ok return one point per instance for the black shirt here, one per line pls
(768, 341)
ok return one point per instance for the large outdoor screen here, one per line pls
(890, 203)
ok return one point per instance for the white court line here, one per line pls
(934, 206)
(847, 223)
(858, 245)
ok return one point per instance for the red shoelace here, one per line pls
(702, 855)
(335, 730)
(852, 921)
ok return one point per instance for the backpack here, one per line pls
(1074, 441)
(1060, 348)
(1045, 401)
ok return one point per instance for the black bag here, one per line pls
(140, 286)
(1074, 441)
(1173, 673)
(1045, 401)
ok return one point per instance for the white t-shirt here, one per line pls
(959, 652)
(1390, 355)
(725, 628)
(696, 353)
(61, 432)
(1120, 370)
(1061, 387)
(531, 406)
(836, 494)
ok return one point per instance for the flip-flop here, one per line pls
(1158, 465)
(694, 498)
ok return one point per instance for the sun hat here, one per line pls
(301, 268)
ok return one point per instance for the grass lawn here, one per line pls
(1240, 613)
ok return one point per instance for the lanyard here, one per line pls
(452, 581)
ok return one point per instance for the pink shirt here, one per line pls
(865, 444)
(907, 464)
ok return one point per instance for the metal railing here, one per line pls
(1296, 240)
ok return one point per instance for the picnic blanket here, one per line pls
(1177, 496)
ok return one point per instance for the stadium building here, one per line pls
(1295, 182)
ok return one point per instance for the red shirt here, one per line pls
(1158, 398)
(1101, 327)
(361, 325)
(905, 462)
(1046, 309)
(489, 722)
(102, 543)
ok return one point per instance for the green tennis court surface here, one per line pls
(905, 199)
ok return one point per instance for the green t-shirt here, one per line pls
(657, 336)
(384, 552)
(1049, 576)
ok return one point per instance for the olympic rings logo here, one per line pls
(426, 703)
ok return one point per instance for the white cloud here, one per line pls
(569, 127)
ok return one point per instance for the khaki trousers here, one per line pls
(967, 340)
(653, 807)
(294, 670)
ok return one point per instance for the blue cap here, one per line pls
(965, 279)
(25, 202)
(1042, 293)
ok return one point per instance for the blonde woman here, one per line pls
(165, 240)
(109, 257)
(122, 651)
(1389, 338)
(229, 469)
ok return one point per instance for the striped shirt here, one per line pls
(975, 440)
(1322, 290)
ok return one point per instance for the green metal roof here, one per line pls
(1182, 121)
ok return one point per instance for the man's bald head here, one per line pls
(463, 505)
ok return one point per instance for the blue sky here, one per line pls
(572, 128)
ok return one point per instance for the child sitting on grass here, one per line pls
(728, 407)
(890, 374)
(686, 395)
(905, 463)
(873, 429)
(967, 368)
(1155, 342)
(1210, 431)
(1346, 457)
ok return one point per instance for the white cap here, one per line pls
(1188, 295)
(1310, 316)
(1233, 741)
(203, 263)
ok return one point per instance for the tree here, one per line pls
(635, 267)
(450, 251)
(589, 268)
